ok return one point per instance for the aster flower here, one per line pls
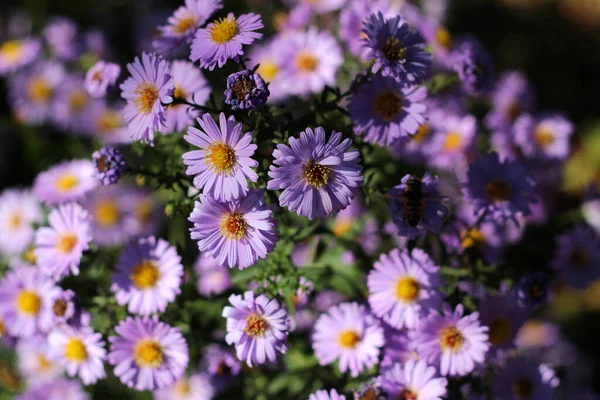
(473, 65)
(512, 96)
(270, 59)
(385, 111)
(532, 290)
(403, 287)
(398, 51)
(26, 299)
(370, 391)
(223, 164)
(146, 90)
(196, 387)
(318, 177)
(545, 137)
(325, 395)
(350, 334)
(35, 362)
(191, 86)
(148, 354)
(148, 277)
(67, 181)
(110, 165)
(416, 206)
(246, 90)
(502, 190)
(100, 76)
(15, 54)
(213, 279)
(398, 349)
(107, 124)
(80, 350)
(71, 105)
(19, 209)
(453, 135)
(221, 365)
(452, 341)
(257, 326)
(61, 34)
(223, 39)
(236, 233)
(577, 256)
(503, 316)
(59, 389)
(413, 380)
(59, 248)
(520, 379)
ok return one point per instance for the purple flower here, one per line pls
(15, 54)
(213, 279)
(416, 206)
(71, 106)
(59, 248)
(577, 256)
(148, 277)
(196, 387)
(59, 389)
(403, 287)
(413, 380)
(351, 334)
(270, 59)
(512, 97)
(545, 137)
(257, 326)
(246, 90)
(318, 177)
(370, 391)
(61, 34)
(191, 86)
(501, 190)
(325, 395)
(385, 110)
(148, 354)
(19, 210)
(398, 50)
(503, 316)
(454, 342)
(520, 378)
(399, 348)
(34, 361)
(532, 290)
(473, 65)
(67, 181)
(100, 76)
(110, 165)
(108, 125)
(223, 39)
(223, 164)
(221, 365)
(236, 233)
(146, 90)
(452, 137)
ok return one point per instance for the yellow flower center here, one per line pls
(66, 182)
(38, 90)
(316, 175)
(11, 50)
(28, 303)
(184, 24)
(15, 221)
(179, 92)
(75, 351)
(108, 121)
(234, 226)
(43, 363)
(223, 31)
(220, 157)
(394, 49)
(148, 353)
(145, 274)
(472, 238)
(146, 96)
(78, 100)
(523, 388)
(451, 339)
(452, 142)
(29, 256)
(306, 62)
(498, 190)
(268, 70)
(407, 289)
(501, 331)
(256, 325)
(348, 339)
(66, 243)
(422, 133)
(444, 38)
(543, 137)
(342, 226)
(107, 213)
(388, 105)
(182, 388)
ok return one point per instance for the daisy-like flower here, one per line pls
(59, 248)
(351, 334)
(503, 316)
(270, 59)
(71, 106)
(61, 34)
(223, 164)
(545, 137)
(413, 380)
(385, 111)
(26, 299)
(398, 50)
(191, 86)
(520, 379)
(67, 181)
(399, 348)
(502, 190)
(110, 165)
(417, 206)
(454, 342)
(80, 351)
(19, 209)
(221, 364)
(403, 287)
(318, 177)
(15, 54)
(473, 65)
(149, 275)
(100, 76)
(577, 256)
(146, 90)
(512, 97)
(257, 326)
(59, 389)
(107, 124)
(223, 39)
(213, 279)
(532, 290)
(246, 90)
(35, 362)
(453, 135)
(325, 395)
(196, 387)
(148, 354)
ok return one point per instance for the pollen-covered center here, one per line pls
(66, 243)
(15, 221)
(108, 121)
(107, 213)
(146, 95)
(422, 133)
(543, 136)
(220, 157)
(243, 87)
(38, 90)
(444, 38)
(78, 100)
(451, 339)
(256, 325)
(394, 49)
(66, 182)
(523, 388)
(43, 363)
(452, 142)
(501, 330)
(498, 190)
(102, 164)
(182, 388)
(223, 31)
(145, 274)
(348, 339)
(408, 394)
(306, 62)
(75, 350)
(388, 105)
(316, 175)
(268, 70)
(60, 307)
(184, 24)
(148, 353)
(407, 289)
(28, 303)
(11, 50)
(234, 226)
(472, 238)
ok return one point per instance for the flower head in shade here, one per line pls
(60, 389)
(65, 307)
(80, 351)
(318, 176)
(148, 354)
(15, 54)
(26, 299)
(452, 341)
(148, 277)
(326, 395)
(67, 181)
(270, 59)
(19, 209)
(473, 65)
(100, 76)
(403, 287)
(257, 326)
(35, 362)
(223, 39)
(385, 111)
(532, 290)
(246, 90)
(191, 86)
(213, 279)
(223, 164)
(351, 334)
(221, 365)
(512, 97)
(545, 137)
(520, 379)
(417, 206)
(196, 387)
(59, 247)
(110, 165)
(453, 135)
(398, 348)
(577, 256)
(503, 316)
(236, 233)
(146, 90)
(413, 380)
(398, 50)
(501, 189)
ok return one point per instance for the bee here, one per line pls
(414, 201)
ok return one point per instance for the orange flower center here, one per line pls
(306, 62)
(220, 157)
(451, 339)
(452, 142)
(146, 96)
(38, 90)
(66, 243)
(184, 24)
(234, 226)
(472, 238)
(544, 137)
(444, 38)
(256, 325)
(145, 275)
